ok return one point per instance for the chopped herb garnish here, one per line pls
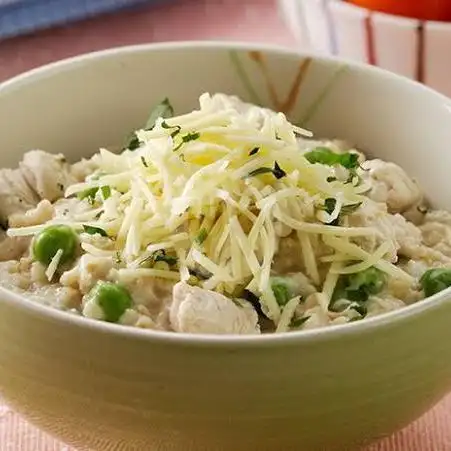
(91, 230)
(254, 151)
(324, 155)
(162, 110)
(187, 138)
(435, 280)
(133, 143)
(361, 309)
(360, 286)
(329, 207)
(106, 192)
(144, 162)
(331, 179)
(260, 171)
(167, 127)
(89, 195)
(159, 256)
(281, 291)
(296, 323)
(201, 236)
(200, 273)
(278, 171)
(255, 302)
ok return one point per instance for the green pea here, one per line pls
(47, 243)
(114, 299)
(435, 280)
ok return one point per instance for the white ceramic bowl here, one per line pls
(105, 387)
(413, 48)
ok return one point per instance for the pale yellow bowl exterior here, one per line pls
(102, 387)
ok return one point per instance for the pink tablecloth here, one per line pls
(189, 19)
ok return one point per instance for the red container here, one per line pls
(419, 9)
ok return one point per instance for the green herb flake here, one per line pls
(254, 151)
(163, 110)
(201, 236)
(158, 256)
(278, 171)
(187, 138)
(281, 289)
(174, 133)
(260, 171)
(360, 286)
(144, 162)
(106, 192)
(91, 230)
(435, 280)
(297, 323)
(324, 155)
(133, 143)
(89, 195)
(329, 207)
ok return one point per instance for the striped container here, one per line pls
(418, 49)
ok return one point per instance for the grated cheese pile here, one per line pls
(216, 188)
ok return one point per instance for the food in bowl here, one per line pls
(225, 220)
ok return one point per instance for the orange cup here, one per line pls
(439, 10)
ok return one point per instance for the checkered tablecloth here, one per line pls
(254, 20)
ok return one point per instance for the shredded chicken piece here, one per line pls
(195, 310)
(390, 184)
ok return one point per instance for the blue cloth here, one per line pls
(25, 16)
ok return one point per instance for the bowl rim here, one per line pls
(331, 333)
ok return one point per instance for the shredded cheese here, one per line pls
(53, 265)
(230, 174)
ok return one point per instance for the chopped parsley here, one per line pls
(91, 193)
(281, 290)
(168, 127)
(324, 155)
(163, 110)
(260, 171)
(91, 230)
(144, 162)
(201, 236)
(297, 323)
(254, 151)
(329, 207)
(187, 138)
(435, 280)
(133, 143)
(255, 302)
(359, 287)
(106, 192)
(277, 171)
(159, 256)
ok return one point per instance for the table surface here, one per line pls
(247, 20)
